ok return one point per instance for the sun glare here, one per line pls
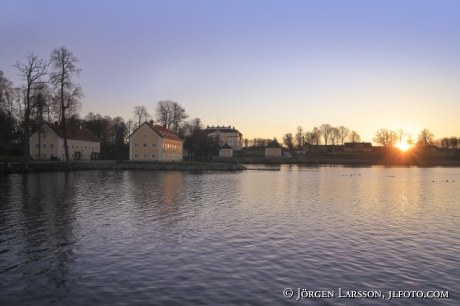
(403, 146)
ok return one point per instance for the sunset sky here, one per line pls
(264, 67)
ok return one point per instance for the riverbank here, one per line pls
(111, 165)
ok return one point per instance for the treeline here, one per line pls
(389, 138)
(48, 93)
(324, 134)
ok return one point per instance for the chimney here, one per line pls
(56, 123)
(151, 121)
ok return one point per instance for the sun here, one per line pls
(403, 146)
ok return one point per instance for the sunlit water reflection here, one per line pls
(165, 238)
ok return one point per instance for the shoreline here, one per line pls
(112, 165)
(216, 165)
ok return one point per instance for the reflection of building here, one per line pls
(226, 151)
(226, 135)
(358, 146)
(273, 149)
(152, 142)
(48, 143)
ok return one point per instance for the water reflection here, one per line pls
(153, 237)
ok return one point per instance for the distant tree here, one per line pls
(325, 131)
(129, 128)
(409, 139)
(316, 136)
(32, 73)
(246, 142)
(334, 136)
(400, 135)
(453, 142)
(288, 141)
(7, 111)
(64, 69)
(385, 138)
(170, 114)
(354, 137)
(141, 115)
(343, 133)
(119, 131)
(299, 137)
(444, 143)
(426, 137)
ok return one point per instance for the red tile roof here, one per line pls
(74, 132)
(164, 132)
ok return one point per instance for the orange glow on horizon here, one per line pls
(403, 146)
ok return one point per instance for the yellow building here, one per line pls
(226, 151)
(226, 135)
(47, 143)
(273, 149)
(152, 142)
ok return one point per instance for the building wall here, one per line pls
(146, 145)
(172, 150)
(51, 145)
(226, 152)
(233, 139)
(272, 152)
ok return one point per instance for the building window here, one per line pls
(72, 146)
(85, 147)
(51, 146)
(44, 136)
(72, 155)
(154, 144)
(44, 146)
(51, 155)
(36, 145)
(145, 145)
(154, 156)
(36, 154)
(136, 155)
(144, 155)
(44, 154)
(136, 145)
(145, 135)
(63, 154)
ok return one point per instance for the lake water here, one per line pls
(183, 238)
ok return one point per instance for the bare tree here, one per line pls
(325, 131)
(354, 137)
(426, 137)
(170, 114)
(400, 134)
(7, 110)
(334, 135)
(32, 73)
(409, 140)
(316, 136)
(385, 137)
(64, 69)
(444, 143)
(299, 137)
(288, 140)
(343, 133)
(141, 115)
(453, 141)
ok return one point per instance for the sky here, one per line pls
(264, 67)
